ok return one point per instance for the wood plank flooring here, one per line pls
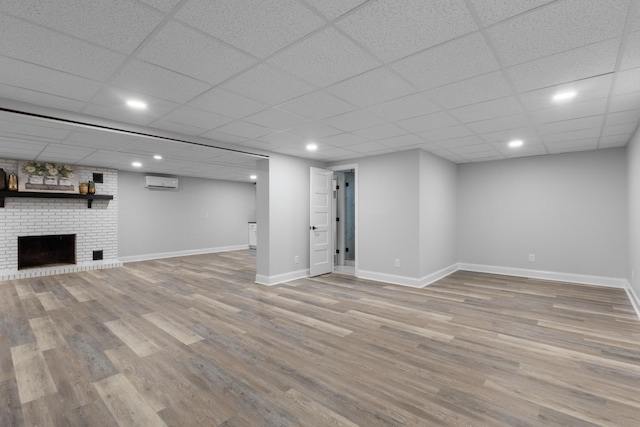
(194, 342)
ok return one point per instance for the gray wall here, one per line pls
(202, 214)
(633, 164)
(283, 216)
(570, 210)
(438, 214)
(388, 213)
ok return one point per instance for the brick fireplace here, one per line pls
(95, 229)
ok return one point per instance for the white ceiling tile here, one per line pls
(324, 58)
(334, 8)
(448, 155)
(354, 120)
(20, 149)
(227, 103)
(190, 116)
(634, 19)
(614, 141)
(557, 27)
(500, 123)
(260, 145)
(625, 102)
(12, 127)
(113, 97)
(38, 45)
(406, 107)
(279, 139)
(507, 106)
(573, 145)
(39, 98)
(402, 141)
(117, 114)
(464, 141)
(117, 24)
(467, 150)
(386, 130)
(587, 89)
(446, 133)
(583, 134)
(342, 140)
(313, 131)
(627, 81)
(100, 140)
(57, 153)
(244, 129)
(277, 119)
(492, 11)
(428, 122)
(150, 79)
(334, 154)
(623, 117)
(536, 150)
(568, 111)
(372, 87)
(163, 5)
(471, 91)
(392, 31)
(449, 62)
(571, 125)
(268, 85)
(260, 28)
(565, 67)
(367, 147)
(623, 129)
(317, 105)
(216, 135)
(484, 156)
(24, 75)
(631, 53)
(187, 51)
(524, 133)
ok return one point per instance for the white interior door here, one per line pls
(320, 224)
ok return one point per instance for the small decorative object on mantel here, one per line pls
(13, 183)
(92, 187)
(83, 187)
(47, 177)
(3, 180)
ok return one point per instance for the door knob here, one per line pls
(313, 227)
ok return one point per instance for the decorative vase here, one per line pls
(13, 182)
(3, 180)
(83, 188)
(92, 187)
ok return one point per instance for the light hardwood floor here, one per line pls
(194, 342)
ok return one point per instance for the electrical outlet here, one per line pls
(296, 259)
(397, 263)
(532, 257)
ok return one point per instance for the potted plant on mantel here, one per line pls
(35, 172)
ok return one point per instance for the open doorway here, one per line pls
(345, 221)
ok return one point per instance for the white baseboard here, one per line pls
(161, 255)
(62, 269)
(281, 278)
(408, 281)
(611, 282)
(633, 297)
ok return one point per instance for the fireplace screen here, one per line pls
(46, 251)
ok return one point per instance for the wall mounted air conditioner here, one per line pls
(161, 182)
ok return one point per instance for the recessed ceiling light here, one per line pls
(136, 164)
(564, 96)
(312, 147)
(157, 156)
(136, 104)
(516, 143)
(254, 177)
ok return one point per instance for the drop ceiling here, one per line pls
(457, 78)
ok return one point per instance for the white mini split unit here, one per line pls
(161, 183)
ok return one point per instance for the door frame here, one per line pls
(348, 167)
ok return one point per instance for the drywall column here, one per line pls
(633, 197)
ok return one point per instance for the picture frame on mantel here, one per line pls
(47, 177)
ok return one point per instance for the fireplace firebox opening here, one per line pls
(46, 251)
